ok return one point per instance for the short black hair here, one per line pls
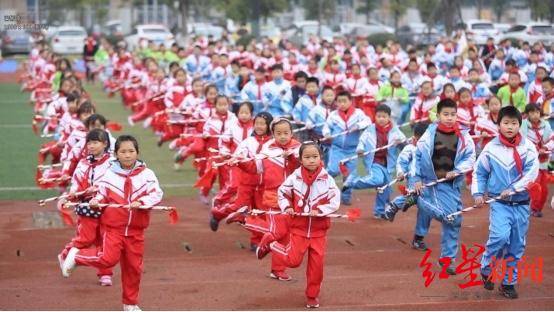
(100, 136)
(85, 107)
(531, 107)
(345, 93)
(307, 144)
(300, 74)
(312, 80)
(277, 67)
(510, 112)
(91, 120)
(383, 108)
(510, 62)
(444, 103)
(126, 138)
(420, 128)
(247, 104)
(549, 80)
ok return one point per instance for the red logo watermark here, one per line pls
(470, 268)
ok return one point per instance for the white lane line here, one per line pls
(16, 126)
(34, 188)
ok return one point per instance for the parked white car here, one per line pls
(480, 30)
(156, 33)
(204, 29)
(371, 28)
(68, 40)
(531, 33)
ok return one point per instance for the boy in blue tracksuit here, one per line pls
(508, 163)
(444, 151)
(405, 169)
(380, 165)
(350, 119)
(307, 102)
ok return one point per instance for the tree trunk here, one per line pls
(184, 8)
(255, 19)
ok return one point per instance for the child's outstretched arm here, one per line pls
(530, 168)
(154, 192)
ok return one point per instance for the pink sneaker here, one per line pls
(105, 280)
(282, 276)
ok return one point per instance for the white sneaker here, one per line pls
(204, 199)
(130, 121)
(60, 261)
(176, 166)
(105, 280)
(147, 122)
(131, 307)
(69, 264)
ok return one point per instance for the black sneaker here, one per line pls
(262, 251)
(410, 200)
(508, 291)
(253, 247)
(487, 283)
(214, 224)
(390, 211)
(419, 244)
(450, 270)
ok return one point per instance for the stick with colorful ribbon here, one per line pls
(532, 188)
(43, 202)
(173, 216)
(407, 123)
(433, 183)
(308, 127)
(342, 162)
(381, 189)
(351, 214)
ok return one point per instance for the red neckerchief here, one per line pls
(452, 129)
(374, 81)
(313, 97)
(223, 118)
(536, 127)
(347, 114)
(419, 110)
(470, 107)
(90, 44)
(310, 177)
(383, 133)
(261, 139)
(513, 144)
(245, 127)
(128, 186)
(432, 76)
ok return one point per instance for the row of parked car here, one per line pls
(70, 39)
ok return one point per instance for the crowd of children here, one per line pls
(275, 124)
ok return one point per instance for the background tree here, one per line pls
(366, 7)
(398, 8)
(541, 9)
(499, 7)
(426, 10)
(244, 11)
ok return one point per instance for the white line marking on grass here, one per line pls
(35, 188)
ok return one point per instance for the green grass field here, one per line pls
(20, 145)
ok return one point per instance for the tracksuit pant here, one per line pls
(542, 179)
(293, 253)
(439, 201)
(336, 153)
(116, 247)
(377, 176)
(87, 234)
(509, 223)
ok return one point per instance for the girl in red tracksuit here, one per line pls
(310, 189)
(237, 132)
(250, 189)
(89, 170)
(174, 96)
(215, 127)
(281, 159)
(126, 182)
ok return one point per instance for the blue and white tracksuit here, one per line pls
(345, 145)
(253, 93)
(317, 117)
(444, 198)
(277, 98)
(405, 165)
(376, 174)
(302, 108)
(495, 171)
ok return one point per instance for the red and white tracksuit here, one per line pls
(274, 170)
(307, 234)
(88, 232)
(422, 106)
(173, 99)
(123, 237)
(234, 134)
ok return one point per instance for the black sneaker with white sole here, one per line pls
(390, 211)
(419, 244)
(508, 291)
(487, 283)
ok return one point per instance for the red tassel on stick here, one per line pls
(114, 126)
(402, 189)
(343, 169)
(173, 216)
(353, 214)
(206, 179)
(534, 189)
(65, 215)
